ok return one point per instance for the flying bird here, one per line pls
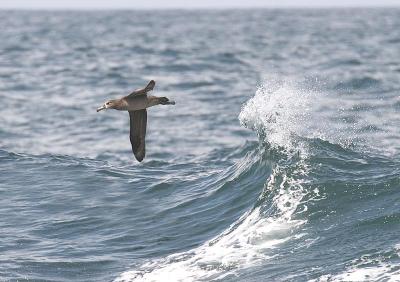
(136, 104)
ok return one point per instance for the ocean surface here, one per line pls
(279, 162)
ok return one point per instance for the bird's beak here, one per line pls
(101, 108)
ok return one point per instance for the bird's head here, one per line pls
(111, 104)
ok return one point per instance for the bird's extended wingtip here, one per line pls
(139, 159)
(150, 85)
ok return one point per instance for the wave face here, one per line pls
(294, 180)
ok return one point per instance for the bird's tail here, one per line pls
(165, 101)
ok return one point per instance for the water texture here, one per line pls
(279, 162)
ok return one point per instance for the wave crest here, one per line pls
(278, 112)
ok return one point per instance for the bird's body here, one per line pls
(140, 102)
(136, 104)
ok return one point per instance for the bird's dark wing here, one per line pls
(143, 91)
(138, 122)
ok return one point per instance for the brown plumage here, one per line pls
(136, 104)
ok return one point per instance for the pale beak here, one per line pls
(101, 108)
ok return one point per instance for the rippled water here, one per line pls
(279, 162)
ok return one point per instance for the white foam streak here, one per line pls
(368, 268)
(239, 247)
(382, 272)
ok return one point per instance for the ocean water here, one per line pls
(279, 162)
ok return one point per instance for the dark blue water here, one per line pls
(279, 162)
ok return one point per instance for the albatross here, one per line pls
(136, 104)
